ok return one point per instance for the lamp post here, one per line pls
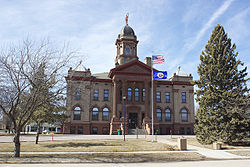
(124, 116)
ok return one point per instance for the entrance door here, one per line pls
(132, 120)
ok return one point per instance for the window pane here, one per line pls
(72, 129)
(158, 97)
(106, 95)
(182, 131)
(129, 94)
(158, 114)
(95, 114)
(105, 131)
(96, 94)
(183, 97)
(167, 115)
(94, 130)
(78, 94)
(80, 130)
(77, 113)
(136, 94)
(143, 94)
(105, 114)
(184, 115)
(167, 95)
(127, 50)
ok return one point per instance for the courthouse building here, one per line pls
(96, 102)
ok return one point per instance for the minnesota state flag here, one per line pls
(159, 75)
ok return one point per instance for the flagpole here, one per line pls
(152, 94)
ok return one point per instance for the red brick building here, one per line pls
(96, 105)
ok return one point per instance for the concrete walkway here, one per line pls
(216, 154)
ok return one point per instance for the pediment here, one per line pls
(135, 67)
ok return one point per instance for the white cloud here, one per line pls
(190, 45)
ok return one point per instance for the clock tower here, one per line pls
(126, 45)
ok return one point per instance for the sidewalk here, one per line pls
(216, 154)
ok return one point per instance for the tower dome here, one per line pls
(127, 31)
(126, 44)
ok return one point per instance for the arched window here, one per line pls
(143, 94)
(184, 115)
(129, 94)
(167, 115)
(105, 114)
(95, 114)
(77, 113)
(159, 114)
(136, 94)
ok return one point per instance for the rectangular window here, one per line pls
(182, 131)
(78, 94)
(105, 131)
(183, 97)
(94, 130)
(158, 97)
(167, 96)
(95, 115)
(129, 94)
(80, 130)
(143, 94)
(106, 95)
(72, 129)
(96, 95)
(136, 94)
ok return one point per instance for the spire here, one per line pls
(126, 18)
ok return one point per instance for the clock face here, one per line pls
(127, 50)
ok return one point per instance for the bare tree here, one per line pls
(19, 83)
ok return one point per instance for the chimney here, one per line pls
(148, 61)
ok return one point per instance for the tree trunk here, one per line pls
(38, 132)
(17, 143)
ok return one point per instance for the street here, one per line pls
(228, 163)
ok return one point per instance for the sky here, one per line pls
(177, 29)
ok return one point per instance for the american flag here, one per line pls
(157, 59)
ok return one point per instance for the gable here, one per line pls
(132, 68)
(135, 68)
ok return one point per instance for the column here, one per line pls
(115, 99)
(147, 97)
(124, 92)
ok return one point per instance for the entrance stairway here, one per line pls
(133, 132)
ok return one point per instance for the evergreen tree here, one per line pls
(222, 94)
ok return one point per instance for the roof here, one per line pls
(103, 75)
(127, 31)
(80, 67)
(181, 73)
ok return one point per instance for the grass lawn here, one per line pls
(103, 157)
(194, 142)
(241, 153)
(89, 146)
